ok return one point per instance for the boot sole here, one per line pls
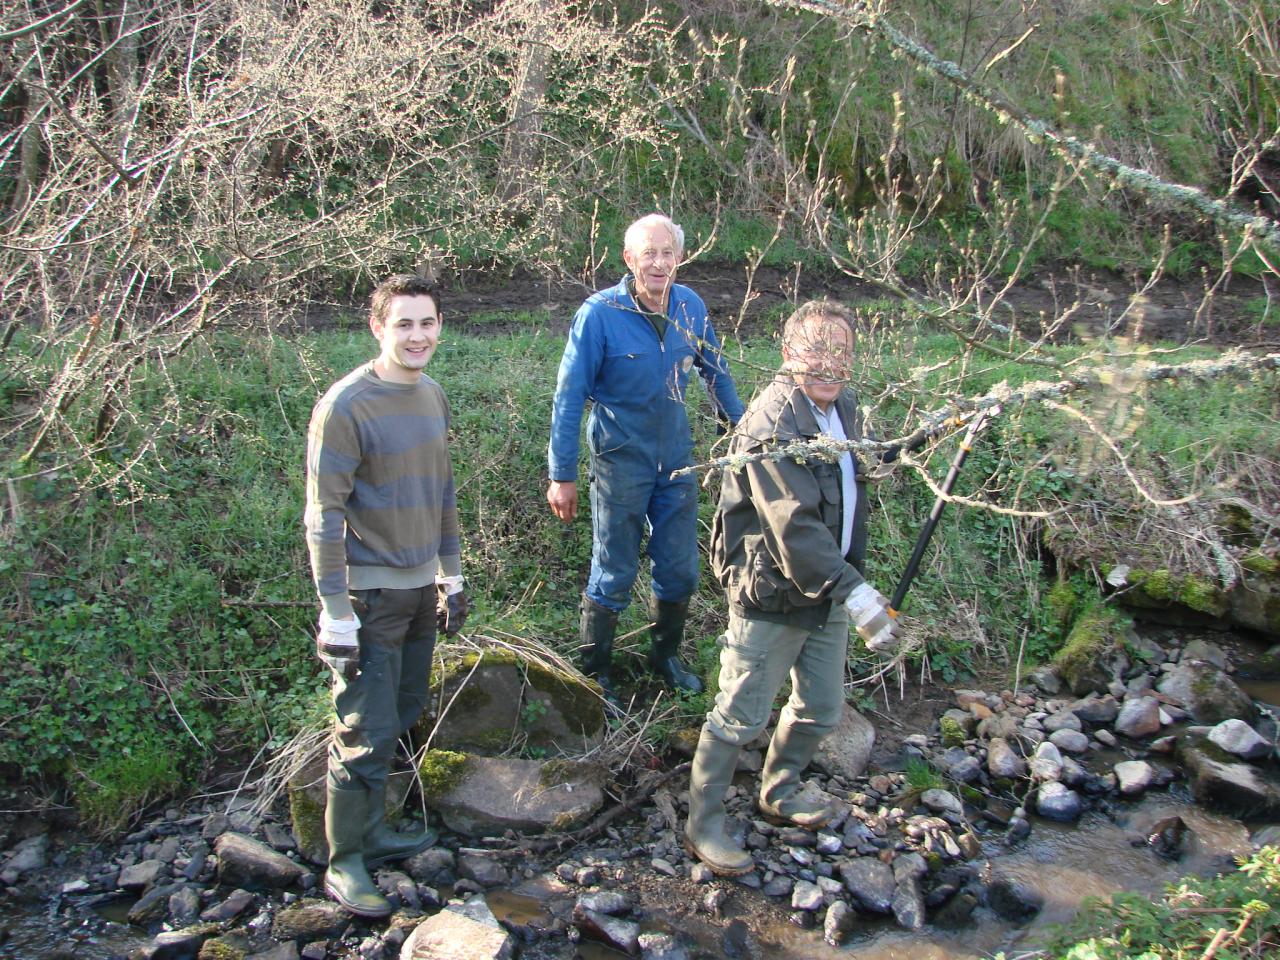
(719, 871)
(778, 820)
(351, 908)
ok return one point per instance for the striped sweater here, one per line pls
(381, 506)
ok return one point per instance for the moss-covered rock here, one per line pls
(493, 794)
(218, 949)
(953, 734)
(440, 771)
(1094, 652)
(488, 701)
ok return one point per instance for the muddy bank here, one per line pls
(1093, 302)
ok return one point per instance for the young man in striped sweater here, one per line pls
(382, 530)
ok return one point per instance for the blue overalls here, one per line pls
(637, 434)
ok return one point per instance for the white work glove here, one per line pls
(869, 614)
(338, 644)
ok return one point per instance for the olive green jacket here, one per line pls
(775, 541)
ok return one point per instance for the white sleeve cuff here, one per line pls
(451, 585)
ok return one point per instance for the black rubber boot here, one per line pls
(668, 630)
(599, 625)
(347, 879)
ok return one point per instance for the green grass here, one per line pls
(175, 607)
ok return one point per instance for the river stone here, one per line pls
(1102, 709)
(1134, 776)
(1013, 900)
(1046, 762)
(1237, 737)
(1268, 836)
(476, 908)
(486, 695)
(661, 946)
(138, 876)
(495, 794)
(1003, 761)
(153, 906)
(780, 886)
(1056, 801)
(942, 801)
(603, 901)
(1062, 720)
(245, 862)
(1239, 789)
(846, 750)
(1047, 679)
(230, 908)
(965, 770)
(909, 866)
(1255, 602)
(908, 904)
(176, 944)
(1205, 652)
(1208, 694)
(309, 920)
(623, 935)
(870, 882)
(840, 919)
(1000, 725)
(433, 865)
(30, 854)
(806, 896)
(482, 869)
(451, 936)
(1139, 717)
(1070, 741)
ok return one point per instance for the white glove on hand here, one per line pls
(869, 613)
(338, 644)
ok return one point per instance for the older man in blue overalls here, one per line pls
(630, 351)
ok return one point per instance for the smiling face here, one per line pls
(408, 335)
(653, 257)
(819, 354)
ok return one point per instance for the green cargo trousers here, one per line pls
(755, 658)
(381, 704)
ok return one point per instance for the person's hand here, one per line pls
(563, 497)
(338, 645)
(869, 613)
(451, 611)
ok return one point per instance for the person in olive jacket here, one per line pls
(787, 546)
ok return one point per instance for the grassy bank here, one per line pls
(158, 609)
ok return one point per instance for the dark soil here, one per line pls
(1074, 301)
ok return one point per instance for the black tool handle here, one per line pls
(926, 532)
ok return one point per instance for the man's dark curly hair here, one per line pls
(401, 285)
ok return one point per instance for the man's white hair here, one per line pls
(634, 238)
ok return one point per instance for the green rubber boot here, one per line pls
(704, 832)
(347, 880)
(781, 799)
(381, 842)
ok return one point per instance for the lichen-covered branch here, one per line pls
(957, 415)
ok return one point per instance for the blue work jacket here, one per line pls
(636, 383)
